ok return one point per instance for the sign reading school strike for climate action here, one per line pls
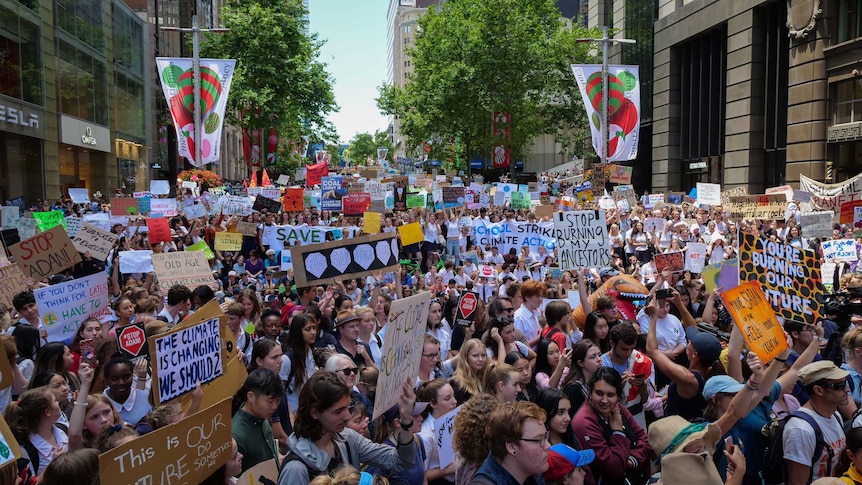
(349, 258)
(188, 268)
(185, 356)
(754, 317)
(507, 235)
(402, 349)
(187, 451)
(45, 254)
(789, 276)
(62, 307)
(582, 239)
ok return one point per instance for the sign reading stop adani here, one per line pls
(64, 306)
(132, 342)
(45, 254)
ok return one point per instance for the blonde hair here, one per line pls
(346, 475)
(464, 376)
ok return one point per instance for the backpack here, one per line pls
(312, 473)
(774, 469)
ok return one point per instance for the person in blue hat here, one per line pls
(566, 465)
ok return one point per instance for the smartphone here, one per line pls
(639, 376)
(88, 352)
(728, 444)
(663, 293)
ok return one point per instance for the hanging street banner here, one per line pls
(177, 77)
(624, 105)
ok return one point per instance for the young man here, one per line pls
(634, 367)
(250, 425)
(826, 386)
(179, 302)
(28, 332)
(526, 317)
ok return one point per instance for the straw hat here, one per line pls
(663, 432)
(688, 468)
(344, 317)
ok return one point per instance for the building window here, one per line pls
(20, 58)
(406, 29)
(849, 20)
(82, 19)
(83, 85)
(846, 101)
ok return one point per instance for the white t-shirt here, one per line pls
(527, 322)
(669, 331)
(799, 442)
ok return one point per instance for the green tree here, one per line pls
(363, 147)
(279, 80)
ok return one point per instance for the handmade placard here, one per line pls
(45, 254)
(64, 306)
(184, 356)
(228, 241)
(188, 268)
(125, 206)
(262, 203)
(670, 260)
(582, 239)
(349, 258)
(12, 282)
(755, 318)
(97, 242)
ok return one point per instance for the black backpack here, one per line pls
(774, 469)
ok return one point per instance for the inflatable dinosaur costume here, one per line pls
(625, 289)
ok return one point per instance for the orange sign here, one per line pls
(754, 317)
(293, 199)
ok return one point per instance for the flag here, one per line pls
(624, 105)
(255, 147)
(265, 182)
(381, 154)
(271, 147)
(502, 129)
(253, 178)
(177, 77)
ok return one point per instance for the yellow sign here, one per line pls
(371, 223)
(228, 241)
(755, 318)
(411, 233)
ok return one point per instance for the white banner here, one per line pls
(62, 307)
(507, 235)
(624, 102)
(831, 196)
(176, 75)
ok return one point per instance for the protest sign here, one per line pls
(734, 192)
(235, 205)
(10, 215)
(841, 250)
(140, 261)
(411, 233)
(467, 305)
(654, 201)
(73, 225)
(62, 307)
(728, 277)
(801, 196)
(247, 228)
(709, 194)
(582, 239)
(350, 258)
(262, 203)
(264, 473)
(444, 428)
(710, 273)
(332, 191)
(789, 276)
(160, 187)
(79, 195)
(356, 204)
(184, 356)
(785, 190)
(670, 260)
(124, 206)
(187, 451)
(293, 199)
(817, 224)
(653, 225)
(202, 246)
(26, 228)
(544, 211)
(165, 207)
(486, 271)
(507, 235)
(283, 179)
(12, 282)
(144, 205)
(47, 220)
(769, 207)
(6, 380)
(400, 193)
(846, 215)
(695, 257)
(195, 211)
(45, 254)
(132, 341)
(159, 230)
(416, 200)
(272, 193)
(402, 344)
(9, 448)
(188, 268)
(754, 317)
(371, 222)
(97, 242)
(520, 200)
(453, 196)
(314, 173)
(228, 241)
(101, 220)
(620, 174)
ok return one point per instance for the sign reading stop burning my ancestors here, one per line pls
(582, 239)
(185, 356)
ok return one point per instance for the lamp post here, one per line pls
(196, 70)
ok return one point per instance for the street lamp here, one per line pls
(196, 67)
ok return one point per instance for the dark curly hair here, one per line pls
(473, 416)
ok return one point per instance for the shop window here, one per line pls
(20, 58)
(846, 101)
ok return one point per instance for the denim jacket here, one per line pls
(493, 471)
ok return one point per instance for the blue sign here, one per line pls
(519, 165)
(477, 164)
(436, 163)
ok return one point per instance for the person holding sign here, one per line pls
(321, 442)
(132, 406)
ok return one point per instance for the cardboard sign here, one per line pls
(125, 206)
(10, 216)
(160, 187)
(228, 241)
(400, 193)
(45, 254)
(544, 211)
(411, 233)
(766, 207)
(140, 261)
(195, 211)
(711, 272)
(247, 228)
(653, 225)
(12, 282)
(350, 258)
(695, 257)
(846, 215)
(754, 317)
(672, 260)
(165, 207)
(783, 189)
(293, 199)
(132, 341)
(264, 473)
(159, 230)
(187, 451)
(73, 225)
(620, 174)
(262, 203)
(734, 192)
(47, 220)
(97, 242)
(234, 205)
(9, 449)
(582, 239)
(371, 222)
(184, 356)
(841, 250)
(817, 224)
(356, 204)
(467, 305)
(188, 268)
(444, 428)
(789, 276)
(202, 246)
(62, 307)
(403, 341)
(709, 194)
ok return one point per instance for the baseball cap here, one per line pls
(821, 371)
(608, 272)
(720, 384)
(562, 459)
(706, 345)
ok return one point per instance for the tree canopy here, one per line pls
(364, 146)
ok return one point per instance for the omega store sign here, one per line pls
(84, 134)
(21, 118)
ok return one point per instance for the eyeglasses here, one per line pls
(509, 310)
(431, 356)
(350, 371)
(809, 328)
(543, 439)
(838, 386)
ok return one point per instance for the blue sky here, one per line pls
(355, 54)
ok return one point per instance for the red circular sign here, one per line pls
(132, 339)
(468, 304)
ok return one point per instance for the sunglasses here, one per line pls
(350, 371)
(838, 386)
